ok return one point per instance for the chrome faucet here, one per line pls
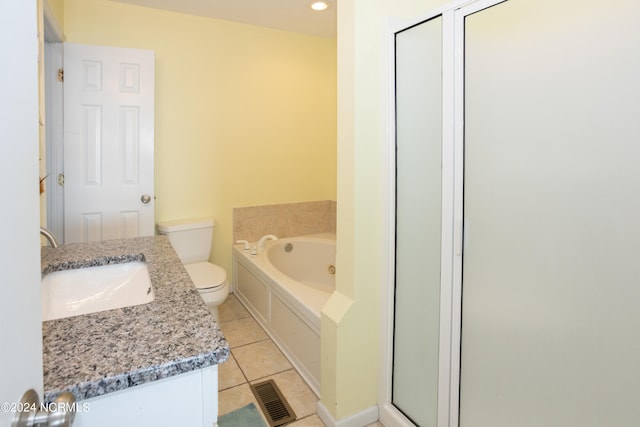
(50, 237)
(263, 240)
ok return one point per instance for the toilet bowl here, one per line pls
(211, 282)
(191, 239)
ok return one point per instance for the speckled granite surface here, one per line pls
(98, 353)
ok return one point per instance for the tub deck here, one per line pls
(287, 309)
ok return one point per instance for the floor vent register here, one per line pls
(275, 407)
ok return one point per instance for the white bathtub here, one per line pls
(284, 288)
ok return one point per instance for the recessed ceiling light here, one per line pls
(320, 5)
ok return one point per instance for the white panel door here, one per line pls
(21, 352)
(108, 143)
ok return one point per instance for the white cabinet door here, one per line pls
(108, 142)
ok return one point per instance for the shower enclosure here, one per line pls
(513, 283)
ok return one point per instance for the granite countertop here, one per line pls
(98, 353)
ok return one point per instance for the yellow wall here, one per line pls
(57, 6)
(234, 127)
(350, 320)
(244, 115)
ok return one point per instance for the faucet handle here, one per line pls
(246, 244)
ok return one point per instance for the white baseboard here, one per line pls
(361, 419)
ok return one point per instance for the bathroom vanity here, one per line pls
(148, 364)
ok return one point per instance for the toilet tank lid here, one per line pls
(184, 224)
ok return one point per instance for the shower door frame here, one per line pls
(453, 20)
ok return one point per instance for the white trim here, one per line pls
(54, 141)
(362, 418)
(452, 6)
(390, 416)
(458, 214)
(54, 131)
(475, 6)
(447, 300)
(388, 168)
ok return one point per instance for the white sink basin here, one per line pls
(88, 290)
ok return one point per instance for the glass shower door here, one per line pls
(551, 287)
(418, 221)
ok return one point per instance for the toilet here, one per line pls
(191, 239)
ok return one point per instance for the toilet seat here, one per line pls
(206, 276)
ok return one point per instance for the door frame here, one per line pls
(54, 122)
(452, 237)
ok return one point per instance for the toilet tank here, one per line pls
(191, 238)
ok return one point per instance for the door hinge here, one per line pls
(61, 179)
(61, 75)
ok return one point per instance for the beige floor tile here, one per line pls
(242, 332)
(261, 359)
(229, 374)
(256, 358)
(231, 310)
(376, 424)
(302, 400)
(312, 421)
(235, 398)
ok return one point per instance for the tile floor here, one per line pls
(255, 358)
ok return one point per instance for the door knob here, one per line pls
(60, 413)
(145, 198)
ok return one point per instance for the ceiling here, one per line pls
(288, 15)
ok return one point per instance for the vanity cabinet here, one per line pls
(189, 399)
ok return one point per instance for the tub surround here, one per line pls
(284, 220)
(99, 353)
